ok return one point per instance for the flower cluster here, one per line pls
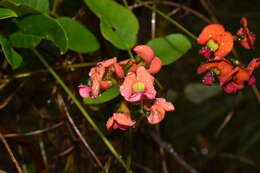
(218, 43)
(135, 80)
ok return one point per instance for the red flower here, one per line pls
(231, 78)
(222, 69)
(246, 37)
(120, 121)
(158, 110)
(216, 39)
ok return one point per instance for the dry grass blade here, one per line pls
(72, 123)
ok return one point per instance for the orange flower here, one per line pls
(120, 121)
(158, 110)
(217, 40)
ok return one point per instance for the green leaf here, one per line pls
(45, 27)
(41, 5)
(104, 97)
(170, 48)
(118, 24)
(7, 13)
(14, 59)
(21, 40)
(79, 38)
(197, 92)
(249, 143)
(19, 8)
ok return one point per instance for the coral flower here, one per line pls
(97, 73)
(146, 53)
(158, 110)
(120, 121)
(138, 85)
(216, 40)
(246, 37)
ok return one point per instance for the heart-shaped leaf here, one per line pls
(7, 13)
(118, 24)
(21, 40)
(104, 97)
(170, 48)
(45, 27)
(19, 8)
(14, 59)
(41, 5)
(80, 39)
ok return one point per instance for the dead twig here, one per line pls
(36, 132)
(168, 148)
(18, 167)
(72, 123)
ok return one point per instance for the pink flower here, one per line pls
(120, 121)
(97, 73)
(84, 91)
(158, 110)
(138, 85)
(146, 53)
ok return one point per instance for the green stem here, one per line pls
(80, 107)
(169, 19)
(125, 3)
(131, 54)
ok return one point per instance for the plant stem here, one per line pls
(80, 107)
(126, 4)
(169, 19)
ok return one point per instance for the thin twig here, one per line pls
(18, 167)
(225, 122)
(168, 148)
(239, 158)
(72, 123)
(257, 93)
(171, 20)
(180, 6)
(36, 132)
(211, 13)
(28, 74)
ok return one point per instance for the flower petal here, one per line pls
(157, 114)
(209, 32)
(226, 43)
(126, 87)
(167, 106)
(123, 119)
(119, 71)
(155, 65)
(206, 67)
(142, 75)
(84, 91)
(145, 52)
